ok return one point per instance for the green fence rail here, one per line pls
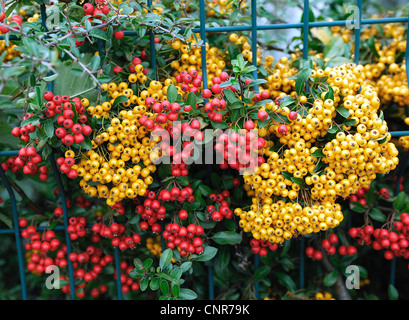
(203, 30)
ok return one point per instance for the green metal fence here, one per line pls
(203, 30)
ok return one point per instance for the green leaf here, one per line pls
(191, 99)
(344, 112)
(330, 279)
(302, 77)
(144, 284)
(164, 286)
(172, 93)
(377, 215)
(154, 284)
(286, 281)
(165, 258)
(230, 96)
(226, 237)
(49, 128)
(400, 201)
(208, 254)
(205, 190)
(261, 273)
(349, 122)
(357, 207)
(95, 62)
(6, 220)
(99, 33)
(330, 93)
(147, 263)
(187, 294)
(120, 99)
(393, 292)
(318, 153)
(138, 263)
(175, 289)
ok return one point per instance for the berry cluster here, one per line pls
(116, 232)
(261, 247)
(76, 227)
(23, 132)
(127, 282)
(188, 240)
(360, 195)
(71, 124)
(189, 81)
(221, 208)
(28, 161)
(395, 242)
(328, 245)
(137, 70)
(240, 149)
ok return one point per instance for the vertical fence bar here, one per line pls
(358, 32)
(306, 18)
(16, 234)
(202, 18)
(256, 88)
(65, 216)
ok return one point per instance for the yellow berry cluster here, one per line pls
(324, 296)
(279, 82)
(154, 245)
(190, 58)
(223, 7)
(246, 48)
(295, 190)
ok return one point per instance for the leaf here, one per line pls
(230, 96)
(318, 153)
(286, 281)
(208, 254)
(261, 273)
(188, 294)
(175, 289)
(301, 78)
(99, 33)
(191, 99)
(95, 62)
(393, 292)
(154, 284)
(226, 237)
(138, 263)
(377, 215)
(49, 128)
(120, 99)
(330, 93)
(330, 279)
(344, 112)
(357, 207)
(400, 201)
(147, 263)
(164, 286)
(6, 220)
(205, 190)
(172, 93)
(144, 284)
(165, 258)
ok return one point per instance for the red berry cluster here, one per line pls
(190, 81)
(360, 196)
(136, 63)
(119, 208)
(65, 164)
(328, 245)
(15, 23)
(188, 240)
(76, 227)
(81, 202)
(178, 151)
(127, 283)
(87, 266)
(395, 242)
(67, 131)
(23, 132)
(116, 232)
(27, 160)
(221, 209)
(42, 244)
(239, 149)
(261, 247)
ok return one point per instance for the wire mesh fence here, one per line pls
(203, 30)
